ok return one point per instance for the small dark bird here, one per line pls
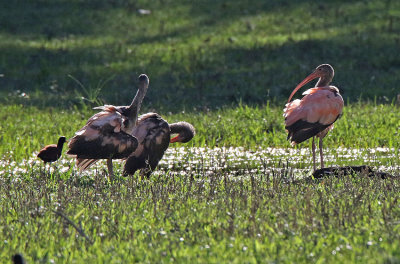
(107, 134)
(18, 259)
(52, 152)
(154, 136)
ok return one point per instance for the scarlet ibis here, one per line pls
(52, 152)
(107, 134)
(154, 136)
(314, 115)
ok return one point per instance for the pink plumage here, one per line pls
(315, 113)
(321, 104)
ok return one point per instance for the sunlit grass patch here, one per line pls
(363, 125)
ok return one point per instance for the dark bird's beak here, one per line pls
(174, 139)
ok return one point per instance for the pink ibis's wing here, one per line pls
(315, 112)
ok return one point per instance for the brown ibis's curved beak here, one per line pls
(175, 139)
(308, 79)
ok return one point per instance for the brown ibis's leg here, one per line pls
(313, 152)
(321, 154)
(110, 168)
(49, 168)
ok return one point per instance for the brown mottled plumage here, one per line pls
(154, 136)
(52, 152)
(107, 134)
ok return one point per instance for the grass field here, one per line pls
(206, 54)
(235, 193)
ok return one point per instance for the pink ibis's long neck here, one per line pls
(325, 74)
(323, 81)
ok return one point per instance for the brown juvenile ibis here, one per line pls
(52, 152)
(154, 136)
(107, 134)
(316, 112)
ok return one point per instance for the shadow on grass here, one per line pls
(202, 75)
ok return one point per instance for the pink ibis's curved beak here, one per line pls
(308, 79)
(174, 139)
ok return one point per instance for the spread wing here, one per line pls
(153, 134)
(102, 138)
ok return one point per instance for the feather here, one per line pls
(84, 164)
(102, 137)
(314, 114)
(153, 135)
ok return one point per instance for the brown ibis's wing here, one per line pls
(153, 134)
(84, 164)
(102, 138)
(125, 112)
(314, 113)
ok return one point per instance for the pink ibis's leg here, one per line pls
(110, 168)
(321, 154)
(313, 152)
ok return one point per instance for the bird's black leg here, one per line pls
(110, 169)
(145, 172)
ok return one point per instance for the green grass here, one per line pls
(227, 67)
(213, 215)
(201, 218)
(363, 125)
